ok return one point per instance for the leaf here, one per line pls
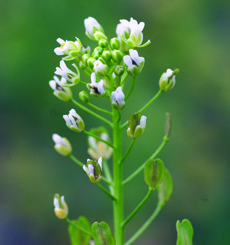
(102, 234)
(184, 232)
(165, 188)
(154, 173)
(78, 237)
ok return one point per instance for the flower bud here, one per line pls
(96, 55)
(84, 97)
(137, 125)
(100, 68)
(60, 207)
(117, 56)
(85, 58)
(98, 148)
(118, 99)
(94, 30)
(103, 43)
(94, 170)
(168, 80)
(119, 70)
(62, 145)
(90, 62)
(60, 91)
(74, 121)
(106, 55)
(82, 65)
(96, 89)
(115, 43)
(133, 62)
(69, 75)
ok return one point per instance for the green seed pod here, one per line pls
(154, 173)
(102, 234)
(184, 232)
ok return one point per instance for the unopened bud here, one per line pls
(84, 97)
(115, 43)
(62, 145)
(117, 56)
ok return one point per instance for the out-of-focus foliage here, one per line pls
(190, 35)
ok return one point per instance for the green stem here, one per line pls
(98, 138)
(100, 109)
(155, 154)
(124, 78)
(81, 165)
(106, 192)
(91, 112)
(128, 151)
(137, 208)
(145, 225)
(131, 89)
(151, 101)
(78, 227)
(118, 205)
(87, 73)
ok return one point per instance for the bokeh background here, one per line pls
(191, 35)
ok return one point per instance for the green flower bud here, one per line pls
(119, 70)
(96, 55)
(84, 97)
(85, 58)
(62, 145)
(94, 170)
(168, 80)
(82, 65)
(90, 62)
(99, 35)
(106, 55)
(117, 56)
(154, 173)
(115, 43)
(103, 43)
(60, 207)
(137, 125)
(98, 148)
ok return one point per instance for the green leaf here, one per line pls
(184, 232)
(154, 173)
(165, 188)
(78, 237)
(102, 234)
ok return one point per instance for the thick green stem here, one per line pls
(137, 208)
(118, 205)
(139, 170)
(92, 112)
(145, 225)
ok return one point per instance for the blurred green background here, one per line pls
(192, 35)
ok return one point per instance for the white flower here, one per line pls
(74, 121)
(62, 145)
(92, 26)
(117, 98)
(131, 32)
(69, 48)
(60, 207)
(137, 125)
(167, 80)
(96, 89)
(58, 86)
(94, 170)
(100, 68)
(133, 62)
(65, 72)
